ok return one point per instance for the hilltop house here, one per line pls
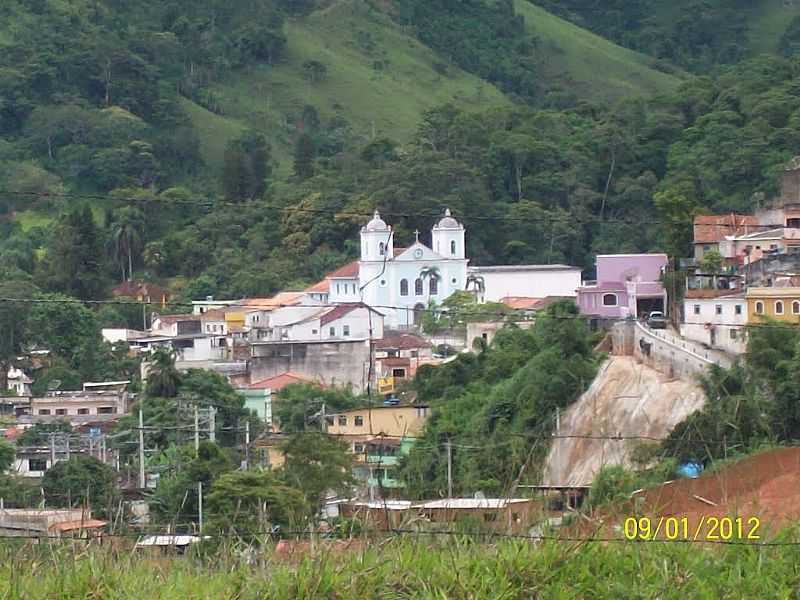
(627, 285)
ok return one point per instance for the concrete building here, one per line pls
(527, 281)
(711, 230)
(332, 362)
(18, 382)
(627, 285)
(780, 303)
(81, 403)
(25, 522)
(398, 355)
(716, 320)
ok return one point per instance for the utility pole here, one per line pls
(200, 506)
(212, 424)
(141, 450)
(449, 469)
(196, 430)
(246, 461)
(52, 437)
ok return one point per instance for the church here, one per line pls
(400, 282)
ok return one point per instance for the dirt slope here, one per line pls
(626, 399)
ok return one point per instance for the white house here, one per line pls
(527, 281)
(718, 322)
(19, 382)
(322, 323)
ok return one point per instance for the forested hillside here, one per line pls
(234, 148)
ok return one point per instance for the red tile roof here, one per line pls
(520, 302)
(341, 310)
(323, 286)
(713, 228)
(348, 271)
(278, 382)
(400, 341)
(280, 299)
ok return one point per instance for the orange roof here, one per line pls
(348, 271)
(278, 382)
(278, 300)
(714, 228)
(84, 524)
(323, 286)
(520, 302)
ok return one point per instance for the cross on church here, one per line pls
(416, 235)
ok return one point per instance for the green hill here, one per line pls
(598, 68)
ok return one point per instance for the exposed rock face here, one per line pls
(627, 398)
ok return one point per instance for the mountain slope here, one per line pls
(598, 68)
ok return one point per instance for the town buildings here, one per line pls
(779, 303)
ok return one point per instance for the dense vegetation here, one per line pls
(418, 569)
(498, 406)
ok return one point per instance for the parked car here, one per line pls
(657, 320)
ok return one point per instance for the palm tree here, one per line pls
(163, 378)
(430, 273)
(126, 232)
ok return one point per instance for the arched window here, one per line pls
(796, 308)
(609, 299)
(759, 308)
(778, 307)
(418, 287)
(404, 287)
(453, 247)
(381, 248)
(433, 286)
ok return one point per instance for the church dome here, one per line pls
(376, 224)
(448, 222)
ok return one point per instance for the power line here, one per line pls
(209, 203)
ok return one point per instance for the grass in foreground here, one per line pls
(415, 569)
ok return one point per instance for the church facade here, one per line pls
(401, 282)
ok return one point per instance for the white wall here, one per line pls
(531, 283)
(719, 334)
(344, 290)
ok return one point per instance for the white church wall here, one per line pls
(531, 282)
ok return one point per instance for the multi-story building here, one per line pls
(780, 303)
(716, 318)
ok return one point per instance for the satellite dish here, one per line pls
(54, 385)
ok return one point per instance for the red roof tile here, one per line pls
(714, 228)
(400, 341)
(341, 310)
(348, 271)
(321, 287)
(278, 382)
(520, 302)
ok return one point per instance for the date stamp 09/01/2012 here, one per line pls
(711, 529)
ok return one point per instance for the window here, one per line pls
(453, 247)
(61, 411)
(490, 517)
(345, 330)
(44, 411)
(796, 308)
(738, 309)
(399, 373)
(404, 287)
(609, 299)
(83, 411)
(338, 290)
(414, 353)
(343, 421)
(433, 286)
(759, 308)
(706, 248)
(359, 421)
(358, 448)
(778, 307)
(314, 331)
(37, 464)
(381, 249)
(418, 287)
(106, 410)
(733, 334)
(354, 288)
(697, 309)
(383, 283)
(332, 332)
(718, 308)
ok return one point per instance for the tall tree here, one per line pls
(13, 324)
(305, 152)
(126, 232)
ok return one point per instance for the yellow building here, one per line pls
(390, 421)
(780, 303)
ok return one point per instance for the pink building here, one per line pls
(628, 285)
